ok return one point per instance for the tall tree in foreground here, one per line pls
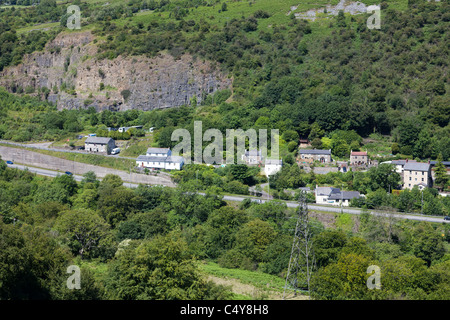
(158, 269)
(30, 262)
(83, 230)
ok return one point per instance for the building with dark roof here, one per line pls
(158, 152)
(99, 144)
(311, 155)
(334, 196)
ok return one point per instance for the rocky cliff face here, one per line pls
(68, 74)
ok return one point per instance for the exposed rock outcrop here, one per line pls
(68, 74)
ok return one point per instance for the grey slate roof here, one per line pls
(315, 151)
(326, 191)
(445, 163)
(274, 161)
(158, 150)
(345, 195)
(417, 166)
(98, 140)
(175, 159)
(402, 162)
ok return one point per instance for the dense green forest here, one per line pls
(146, 243)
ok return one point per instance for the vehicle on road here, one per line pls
(9, 162)
(69, 173)
(115, 151)
(447, 218)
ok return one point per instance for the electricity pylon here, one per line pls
(302, 261)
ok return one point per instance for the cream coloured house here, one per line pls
(417, 174)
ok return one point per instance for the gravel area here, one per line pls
(347, 6)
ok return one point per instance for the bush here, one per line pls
(236, 187)
(234, 259)
(292, 146)
(125, 94)
(395, 148)
(406, 150)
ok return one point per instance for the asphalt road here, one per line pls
(53, 174)
(50, 173)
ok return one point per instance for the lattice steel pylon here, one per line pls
(302, 261)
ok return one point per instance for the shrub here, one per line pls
(125, 94)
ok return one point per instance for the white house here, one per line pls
(323, 193)
(400, 164)
(334, 196)
(252, 157)
(272, 166)
(159, 152)
(160, 158)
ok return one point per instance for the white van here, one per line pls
(115, 151)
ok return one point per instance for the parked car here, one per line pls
(9, 162)
(115, 151)
(69, 173)
(447, 218)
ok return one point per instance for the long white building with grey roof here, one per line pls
(159, 159)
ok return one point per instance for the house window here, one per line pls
(410, 178)
(422, 179)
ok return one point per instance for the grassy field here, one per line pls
(262, 281)
(246, 285)
(94, 159)
(280, 12)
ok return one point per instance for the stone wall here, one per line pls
(36, 159)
